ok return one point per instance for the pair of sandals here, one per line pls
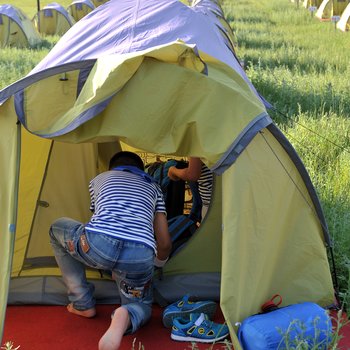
(191, 321)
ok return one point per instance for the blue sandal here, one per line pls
(198, 328)
(184, 307)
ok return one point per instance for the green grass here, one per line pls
(300, 65)
(292, 58)
(15, 63)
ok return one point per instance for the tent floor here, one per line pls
(36, 327)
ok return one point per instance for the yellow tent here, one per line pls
(53, 19)
(16, 29)
(180, 93)
(80, 8)
(99, 2)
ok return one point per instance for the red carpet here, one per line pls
(53, 328)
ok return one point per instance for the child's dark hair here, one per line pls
(126, 158)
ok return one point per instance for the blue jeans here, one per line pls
(130, 262)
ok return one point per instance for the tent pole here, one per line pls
(38, 4)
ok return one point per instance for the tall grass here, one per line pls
(325, 152)
(302, 67)
(16, 63)
(293, 59)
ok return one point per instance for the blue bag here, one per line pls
(181, 229)
(173, 191)
(286, 327)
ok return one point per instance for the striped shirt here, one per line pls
(124, 205)
(205, 184)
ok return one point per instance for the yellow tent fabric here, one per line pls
(99, 2)
(78, 10)
(189, 120)
(55, 186)
(52, 22)
(17, 32)
(275, 235)
(9, 165)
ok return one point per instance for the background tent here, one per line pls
(16, 29)
(163, 81)
(213, 9)
(99, 2)
(344, 22)
(308, 3)
(80, 8)
(329, 8)
(53, 19)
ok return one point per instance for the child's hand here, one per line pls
(159, 263)
(171, 173)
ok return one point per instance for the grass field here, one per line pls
(302, 67)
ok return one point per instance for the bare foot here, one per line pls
(112, 338)
(85, 313)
